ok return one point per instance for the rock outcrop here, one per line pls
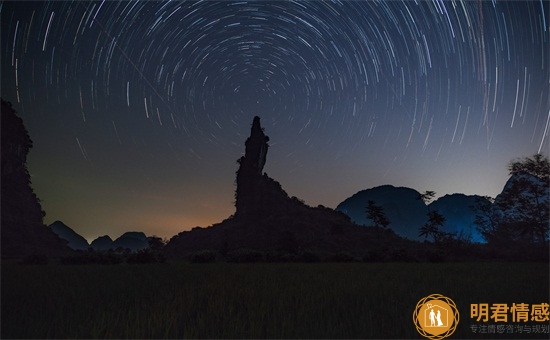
(521, 187)
(23, 232)
(524, 206)
(257, 195)
(267, 219)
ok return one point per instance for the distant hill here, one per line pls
(23, 230)
(102, 243)
(401, 205)
(460, 213)
(407, 213)
(130, 240)
(75, 241)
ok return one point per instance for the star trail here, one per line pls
(139, 110)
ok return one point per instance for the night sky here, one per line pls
(139, 110)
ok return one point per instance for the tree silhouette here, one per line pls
(435, 219)
(156, 243)
(377, 215)
(484, 220)
(537, 165)
(427, 197)
(432, 227)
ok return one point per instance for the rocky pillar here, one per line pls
(249, 175)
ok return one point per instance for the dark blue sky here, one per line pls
(139, 110)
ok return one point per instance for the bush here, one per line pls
(435, 255)
(280, 256)
(374, 256)
(76, 259)
(93, 257)
(35, 260)
(203, 256)
(145, 256)
(310, 257)
(244, 256)
(342, 257)
(401, 255)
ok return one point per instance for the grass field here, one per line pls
(181, 300)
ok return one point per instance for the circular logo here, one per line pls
(436, 317)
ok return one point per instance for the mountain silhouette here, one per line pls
(132, 240)
(75, 241)
(522, 208)
(407, 214)
(267, 219)
(401, 205)
(102, 243)
(23, 230)
(460, 212)
(520, 180)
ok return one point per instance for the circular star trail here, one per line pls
(147, 104)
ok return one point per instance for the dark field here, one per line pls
(329, 300)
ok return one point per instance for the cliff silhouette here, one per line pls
(23, 232)
(268, 220)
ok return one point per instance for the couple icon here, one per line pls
(434, 317)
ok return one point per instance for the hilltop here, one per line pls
(269, 221)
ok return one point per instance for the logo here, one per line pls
(436, 317)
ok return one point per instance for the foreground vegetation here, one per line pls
(221, 300)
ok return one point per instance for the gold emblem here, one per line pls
(436, 317)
